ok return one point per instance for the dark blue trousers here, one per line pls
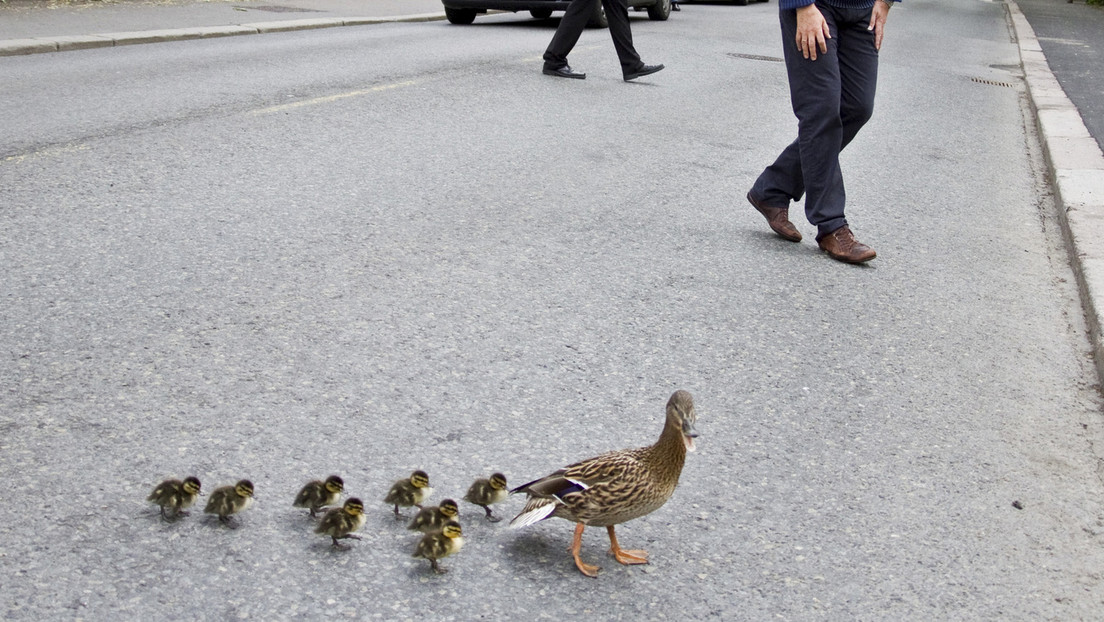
(832, 98)
(575, 19)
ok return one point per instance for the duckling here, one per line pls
(229, 500)
(429, 520)
(175, 495)
(409, 492)
(615, 487)
(440, 544)
(340, 523)
(486, 492)
(318, 494)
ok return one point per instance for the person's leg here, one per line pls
(858, 67)
(815, 97)
(571, 27)
(858, 71)
(617, 14)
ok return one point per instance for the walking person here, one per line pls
(571, 27)
(831, 49)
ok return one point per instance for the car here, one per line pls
(464, 11)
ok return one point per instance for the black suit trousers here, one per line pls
(575, 20)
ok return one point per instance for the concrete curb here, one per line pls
(38, 45)
(1076, 167)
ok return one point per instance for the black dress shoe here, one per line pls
(675, 6)
(563, 72)
(644, 70)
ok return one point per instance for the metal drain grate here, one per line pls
(771, 59)
(278, 9)
(994, 83)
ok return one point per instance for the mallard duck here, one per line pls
(433, 519)
(318, 494)
(409, 492)
(487, 492)
(440, 544)
(229, 500)
(615, 487)
(340, 523)
(175, 495)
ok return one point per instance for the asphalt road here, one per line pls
(369, 250)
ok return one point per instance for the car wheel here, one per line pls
(598, 20)
(660, 11)
(460, 16)
(541, 13)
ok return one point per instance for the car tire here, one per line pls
(660, 11)
(541, 13)
(599, 19)
(460, 16)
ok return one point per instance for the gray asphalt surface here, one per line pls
(375, 249)
(1072, 37)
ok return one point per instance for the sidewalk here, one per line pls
(35, 26)
(1076, 167)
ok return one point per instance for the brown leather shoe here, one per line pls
(841, 245)
(778, 218)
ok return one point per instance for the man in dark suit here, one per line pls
(571, 27)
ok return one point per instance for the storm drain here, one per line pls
(278, 9)
(769, 59)
(994, 83)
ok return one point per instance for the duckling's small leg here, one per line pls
(625, 557)
(491, 517)
(397, 515)
(314, 512)
(436, 568)
(576, 546)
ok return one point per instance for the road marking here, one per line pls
(19, 158)
(332, 98)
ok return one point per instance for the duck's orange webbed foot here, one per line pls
(627, 557)
(576, 546)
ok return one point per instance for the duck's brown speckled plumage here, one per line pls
(617, 486)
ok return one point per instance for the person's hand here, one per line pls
(877, 22)
(812, 31)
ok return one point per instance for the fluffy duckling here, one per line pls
(440, 544)
(318, 494)
(429, 520)
(615, 487)
(340, 523)
(487, 492)
(409, 492)
(175, 495)
(229, 500)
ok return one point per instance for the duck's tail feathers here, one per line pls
(535, 511)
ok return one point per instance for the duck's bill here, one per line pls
(689, 442)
